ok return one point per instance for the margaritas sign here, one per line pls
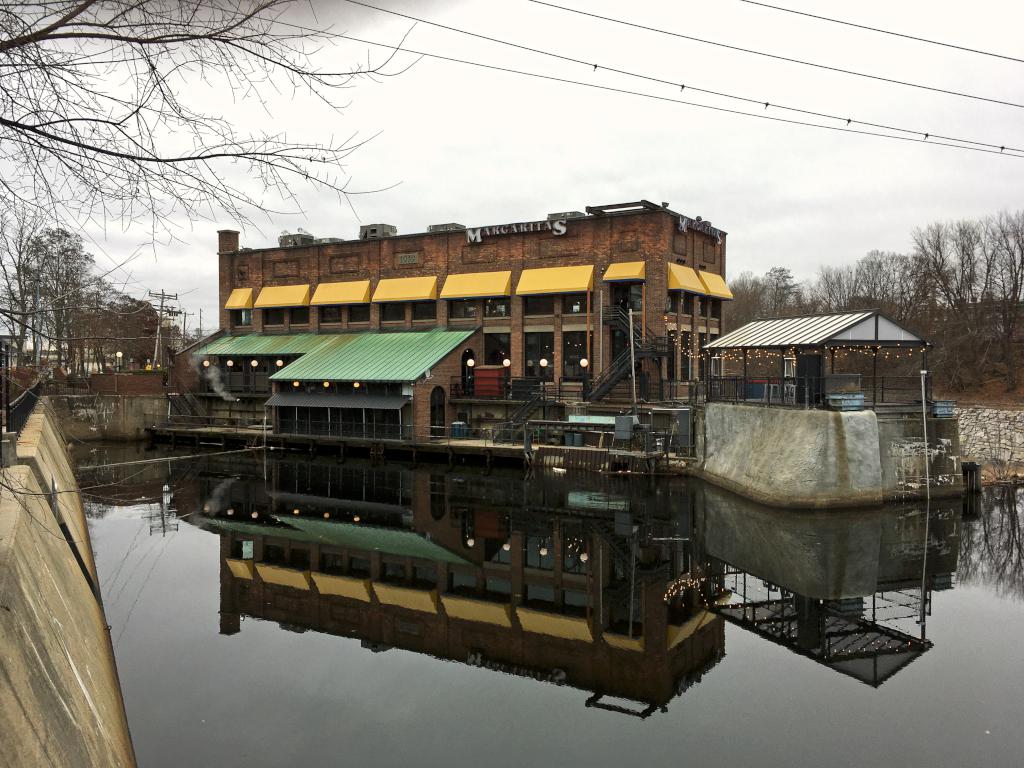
(686, 224)
(476, 234)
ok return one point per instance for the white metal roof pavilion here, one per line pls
(868, 328)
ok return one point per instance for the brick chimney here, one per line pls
(227, 240)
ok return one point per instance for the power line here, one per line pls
(726, 110)
(779, 57)
(675, 84)
(885, 31)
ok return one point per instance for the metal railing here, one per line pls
(19, 409)
(325, 428)
(849, 391)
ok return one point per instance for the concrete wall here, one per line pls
(60, 701)
(108, 417)
(789, 457)
(815, 458)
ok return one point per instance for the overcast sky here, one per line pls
(482, 147)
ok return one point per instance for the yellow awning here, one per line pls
(477, 610)
(354, 292)
(406, 289)
(240, 569)
(477, 285)
(284, 577)
(556, 280)
(283, 296)
(240, 298)
(555, 625)
(625, 270)
(683, 278)
(403, 597)
(344, 586)
(715, 286)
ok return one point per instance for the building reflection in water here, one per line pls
(617, 588)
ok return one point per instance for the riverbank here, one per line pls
(60, 699)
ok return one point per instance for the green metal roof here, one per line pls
(388, 541)
(394, 357)
(258, 344)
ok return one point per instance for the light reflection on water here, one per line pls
(435, 616)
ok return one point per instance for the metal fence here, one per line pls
(19, 408)
(842, 391)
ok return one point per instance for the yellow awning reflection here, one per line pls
(353, 292)
(555, 280)
(477, 285)
(477, 610)
(406, 289)
(623, 642)
(403, 597)
(283, 577)
(240, 569)
(555, 625)
(683, 278)
(625, 270)
(283, 296)
(343, 586)
(715, 286)
(676, 634)
(240, 298)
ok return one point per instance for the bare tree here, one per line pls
(99, 116)
(1005, 240)
(19, 272)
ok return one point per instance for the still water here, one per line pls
(283, 610)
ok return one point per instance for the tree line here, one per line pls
(54, 300)
(961, 287)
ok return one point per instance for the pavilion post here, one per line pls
(874, 376)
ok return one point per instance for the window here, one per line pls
(240, 317)
(574, 304)
(273, 316)
(359, 313)
(574, 349)
(539, 347)
(392, 312)
(330, 314)
(300, 316)
(716, 308)
(462, 309)
(708, 252)
(424, 310)
(687, 303)
(538, 305)
(500, 307)
(497, 348)
(242, 273)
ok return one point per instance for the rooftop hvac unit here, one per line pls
(377, 231)
(286, 239)
(450, 227)
(326, 240)
(566, 215)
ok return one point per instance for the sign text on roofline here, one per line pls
(476, 234)
(686, 223)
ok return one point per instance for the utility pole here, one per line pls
(163, 296)
(184, 324)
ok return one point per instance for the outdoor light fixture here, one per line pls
(543, 551)
(231, 363)
(327, 384)
(231, 511)
(356, 519)
(470, 363)
(279, 363)
(295, 383)
(506, 362)
(584, 557)
(206, 363)
(326, 515)
(507, 546)
(584, 362)
(355, 385)
(543, 362)
(295, 511)
(254, 515)
(470, 542)
(254, 362)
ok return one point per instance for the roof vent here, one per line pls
(377, 231)
(450, 227)
(566, 215)
(287, 239)
(328, 240)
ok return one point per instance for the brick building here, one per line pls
(550, 305)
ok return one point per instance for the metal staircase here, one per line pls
(644, 347)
